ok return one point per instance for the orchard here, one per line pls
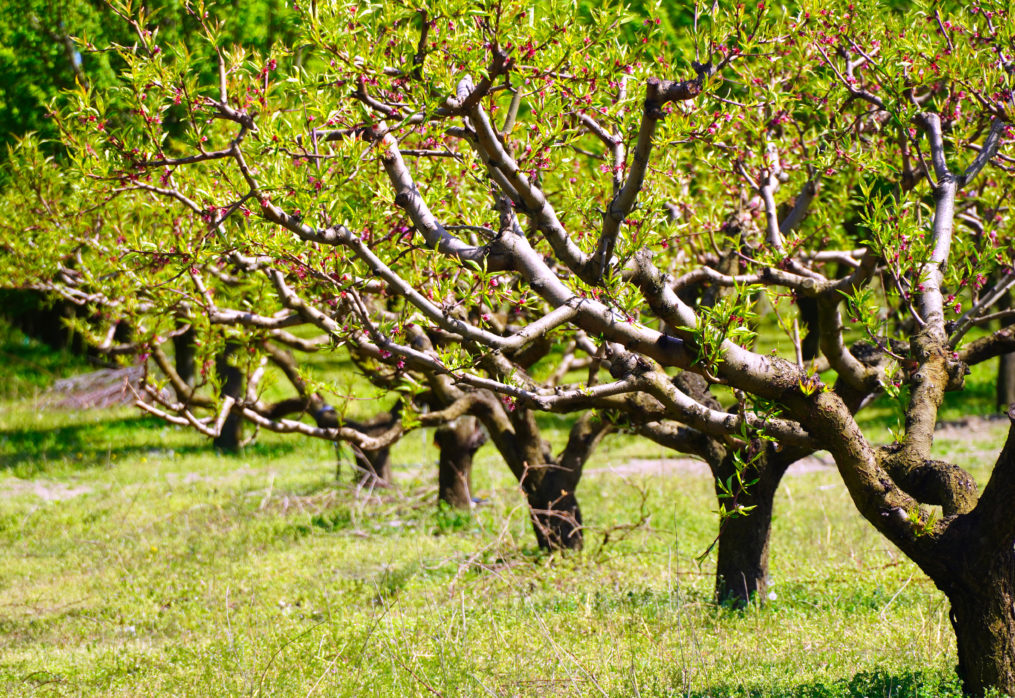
(727, 237)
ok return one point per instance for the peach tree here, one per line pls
(745, 235)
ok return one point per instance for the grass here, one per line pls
(136, 561)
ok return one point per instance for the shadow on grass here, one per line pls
(29, 366)
(868, 684)
(91, 443)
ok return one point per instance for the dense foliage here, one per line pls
(467, 198)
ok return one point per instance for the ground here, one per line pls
(134, 560)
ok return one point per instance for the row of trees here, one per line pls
(728, 244)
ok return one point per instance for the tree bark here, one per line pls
(809, 318)
(742, 541)
(1006, 371)
(741, 573)
(556, 516)
(372, 468)
(973, 563)
(983, 616)
(458, 442)
(231, 435)
(41, 318)
(185, 355)
(742, 556)
(1006, 381)
(547, 481)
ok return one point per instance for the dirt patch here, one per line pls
(176, 479)
(655, 467)
(46, 490)
(972, 428)
(107, 387)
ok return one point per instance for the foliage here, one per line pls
(452, 194)
(47, 48)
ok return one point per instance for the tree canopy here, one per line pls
(744, 235)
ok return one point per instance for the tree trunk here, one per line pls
(1006, 381)
(1006, 372)
(373, 467)
(741, 573)
(185, 356)
(556, 516)
(231, 435)
(40, 318)
(983, 616)
(553, 505)
(458, 442)
(742, 558)
(809, 319)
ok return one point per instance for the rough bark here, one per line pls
(742, 556)
(548, 481)
(231, 435)
(931, 481)
(458, 442)
(976, 570)
(184, 355)
(1006, 372)
(983, 616)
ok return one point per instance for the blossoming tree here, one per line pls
(443, 192)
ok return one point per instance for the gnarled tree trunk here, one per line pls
(741, 573)
(373, 467)
(742, 557)
(553, 505)
(548, 481)
(370, 466)
(231, 435)
(458, 442)
(556, 516)
(974, 564)
(983, 616)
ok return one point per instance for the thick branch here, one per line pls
(657, 93)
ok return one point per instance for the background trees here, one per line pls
(463, 198)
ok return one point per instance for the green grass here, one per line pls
(175, 570)
(136, 561)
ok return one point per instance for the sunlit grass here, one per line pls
(174, 570)
(135, 560)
